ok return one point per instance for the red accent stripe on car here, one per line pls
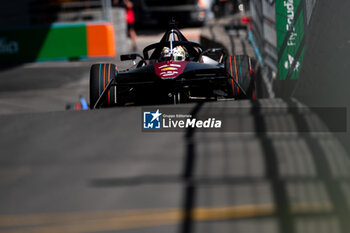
(109, 79)
(115, 88)
(104, 76)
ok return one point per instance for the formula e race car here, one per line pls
(173, 70)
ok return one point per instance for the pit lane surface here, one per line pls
(95, 171)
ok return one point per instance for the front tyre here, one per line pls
(100, 76)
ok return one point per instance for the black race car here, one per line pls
(174, 70)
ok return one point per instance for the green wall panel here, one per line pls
(290, 37)
(43, 43)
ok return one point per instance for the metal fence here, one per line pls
(265, 42)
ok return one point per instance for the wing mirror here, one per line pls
(215, 53)
(213, 50)
(131, 56)
(127, 57)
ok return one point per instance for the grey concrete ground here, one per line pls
(42, 87)
(63, 171)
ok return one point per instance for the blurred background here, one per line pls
(53, 21)
(283, 169)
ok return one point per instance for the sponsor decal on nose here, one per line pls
(169, 71)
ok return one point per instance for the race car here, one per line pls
(172, 71)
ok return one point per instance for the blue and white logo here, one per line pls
(151, 120)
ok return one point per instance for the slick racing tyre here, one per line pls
(100, 76)
(240, 70)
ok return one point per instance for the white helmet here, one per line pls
(179, 53)
(166, 52)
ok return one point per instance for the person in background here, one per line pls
(130, 19)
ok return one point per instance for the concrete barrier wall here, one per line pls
(324, 78)
(57, 41)
(100, 40)
(313, 45)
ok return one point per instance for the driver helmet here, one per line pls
(179, 53)
(166, 52)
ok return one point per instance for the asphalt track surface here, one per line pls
(96, 171)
